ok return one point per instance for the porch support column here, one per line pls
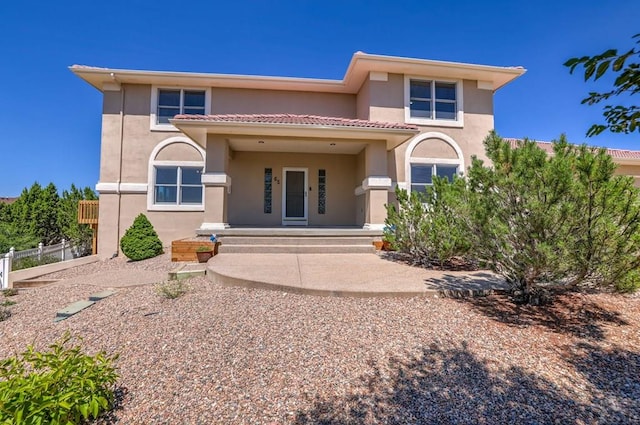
(376, 185)
(217, 184)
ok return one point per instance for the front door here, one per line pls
(294, 197)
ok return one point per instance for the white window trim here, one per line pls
(458, 122)
(151, 205)
(153, 115)
(408, 160)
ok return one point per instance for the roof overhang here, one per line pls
(359, 68)
(199, 129)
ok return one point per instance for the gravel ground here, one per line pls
(242, 356)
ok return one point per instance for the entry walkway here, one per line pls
(358, 275)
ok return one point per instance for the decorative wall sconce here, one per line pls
(277, 180)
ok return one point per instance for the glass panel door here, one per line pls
(295, 197)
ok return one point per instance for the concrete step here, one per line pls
(296, 249)
(291, 231)
(33, 283)
(279, 240)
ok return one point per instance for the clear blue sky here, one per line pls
(50, 119)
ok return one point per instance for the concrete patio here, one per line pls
(354, 275)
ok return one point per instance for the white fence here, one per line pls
(61, 252)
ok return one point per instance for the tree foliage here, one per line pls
(141, 241)
(540, 220)
(519, 212)
(427, 225)
(619, 118)
(60, 386)
(40, 214)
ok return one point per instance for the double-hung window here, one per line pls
(172, 102)
(166, 103)
(177, 185)
(433, 102)
(422, 174)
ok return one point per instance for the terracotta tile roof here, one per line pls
(293, 119)
(615, 153)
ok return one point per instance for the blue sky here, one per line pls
(50, 119)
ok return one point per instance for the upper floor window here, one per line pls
(166, 103)
(432, 102)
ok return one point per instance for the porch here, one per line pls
(293, 170)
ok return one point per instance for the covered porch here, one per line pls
(285, 171)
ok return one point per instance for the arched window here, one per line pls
(175, 176)
(431, 154)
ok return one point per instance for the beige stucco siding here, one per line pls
(245, 101)
(139, 140)
(387, 104)
(630, 170)
(169, 225)
(387, 99)
(110, 139)
(363, 101)
(246, 201)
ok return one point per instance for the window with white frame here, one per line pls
(422, 174)
(172, 102)
(433, 100)
(177, 185)
(167, 102)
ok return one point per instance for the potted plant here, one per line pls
(204, 253)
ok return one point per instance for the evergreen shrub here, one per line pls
(141, 241)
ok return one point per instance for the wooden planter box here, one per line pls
(185, 249)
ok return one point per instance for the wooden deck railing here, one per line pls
(88, 212)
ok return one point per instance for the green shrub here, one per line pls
(7, 303)
(562, 220)
(10, 292)
(141, 241)
(28, 262)
(172, 289)
(59, 386)
(429, 226)
(5, 313)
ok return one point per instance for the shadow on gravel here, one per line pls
(453, 386)
(615, 374)
(570, 313)
(111, 417)
(471, 282)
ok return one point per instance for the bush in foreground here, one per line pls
(141, 241)
(428, 226)
(59, 386)
(560, 220)
(542, 221)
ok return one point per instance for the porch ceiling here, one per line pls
(298, 145)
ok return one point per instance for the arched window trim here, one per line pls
(151, 173)
(429, 160)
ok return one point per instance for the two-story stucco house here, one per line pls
(208, 151)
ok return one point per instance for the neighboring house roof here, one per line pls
(361, 65)
(620, 155)
(292, 119)
(7, 200)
